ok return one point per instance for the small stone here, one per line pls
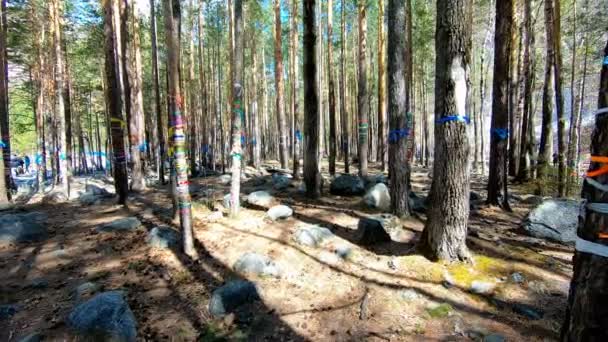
(256, 264)
(347, 185)
(163, 238)
(527, 311)
(55, 197)
(89, 199)
(225, 179)
(38, 283)
(123, 224)
(215, 216)
(494, 338)
(96, 190)
(482, 287)
(279, 212)
(311, 236)
(517, 278)
(379, 197)
(409, 295)
(329, 258)
(232, 295)
(105, 317)
(448, 281)
(280, 181)
(85, 289)
(344, 252)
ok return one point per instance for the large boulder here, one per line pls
(232, 295)
(96, 190)
(163, 238)
(370, 231)
(280, 181)
(260, 198)
(554, 219)
(378, 196)
(279, 212)
(22, 227)
(256, 264)
(105, 317)
(123, 224)
(311, 236)
(347, 185)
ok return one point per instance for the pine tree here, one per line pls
(238, 113)
(5, 168)
(280, 88)
(362, 96)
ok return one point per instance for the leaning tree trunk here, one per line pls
(280, 88)
(398, 125)
(113, 99)
(343, 112)
(444, 235)
(497, 187)
(5, 168)
(587, 313)
(331, 86)
(182, 192)
(238, 113)
(362, 99)
(312, 177)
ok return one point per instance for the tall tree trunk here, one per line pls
(280, 88)
(526, 145)
(172, 16)
(497, 182)
(331, 86)
(202, 79)
(193, 91)
(293, 35)
(62, 146)
(157, 106)
(237, 109)
(559, 101)
(5, 141)
(362, 99)
(67, 95)
(444, 235)
(135, 81)
(381, 86)
(312, 177)
(113, 99)
(397, 108)
(343, 112)
(545, 155)
(514, 114)
(586, 316)
(571, 173)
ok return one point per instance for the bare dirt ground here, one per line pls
(380, 293)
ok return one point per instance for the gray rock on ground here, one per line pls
(89, 199)
(54, 197)
(96, 190)
(33, 337)
(279, 212)
(347, 185)
(232, 295)
(260, 198)
(554, 219)
(8, 310)
(163, 238)
(123, 224)
(18, 228)
(482, 287)
(225, 179)
(417, 203)
(378, 196)
(311, 236)
(226, 201)
(106, 317)
(85, 289)
(280, 181)
(370, 231)
(256, 264)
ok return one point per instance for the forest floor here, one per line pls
(383, 293)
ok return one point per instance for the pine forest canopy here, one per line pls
(154, 94)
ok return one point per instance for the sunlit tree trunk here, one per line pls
(499, 131)
(444, 235)
(280, 88)
(362, 97)
(160, 153)
(559, 101)
(545, 152)
(343, 112)
(586, 317)
(398, 125)
(237, 109)
(293, 34)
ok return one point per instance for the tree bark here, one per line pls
(545, 152)
(572, 172)
(312, 177)
(237, 109)
(280, 88)
(182, 205)
(381, 86)
(559, 102)
(497, 187)
(444, 235)
(114, 99)
(343, 112)
(331, 86)
(397, 88)
(586, 314)
(5, 141)
(293, 34)
(160, 155)
(362, 99)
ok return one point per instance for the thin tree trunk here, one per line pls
(293, 34)
(343, 112)
(280, 88)
(559, 101)
(5, 141)
(497, 182)
(444, 235)
(157, 106)
(546, 139)
(397, 108)
(572, 172)
(362, 99)
(237, 109)
(586, 317)
(331, 86)
(381, 87)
